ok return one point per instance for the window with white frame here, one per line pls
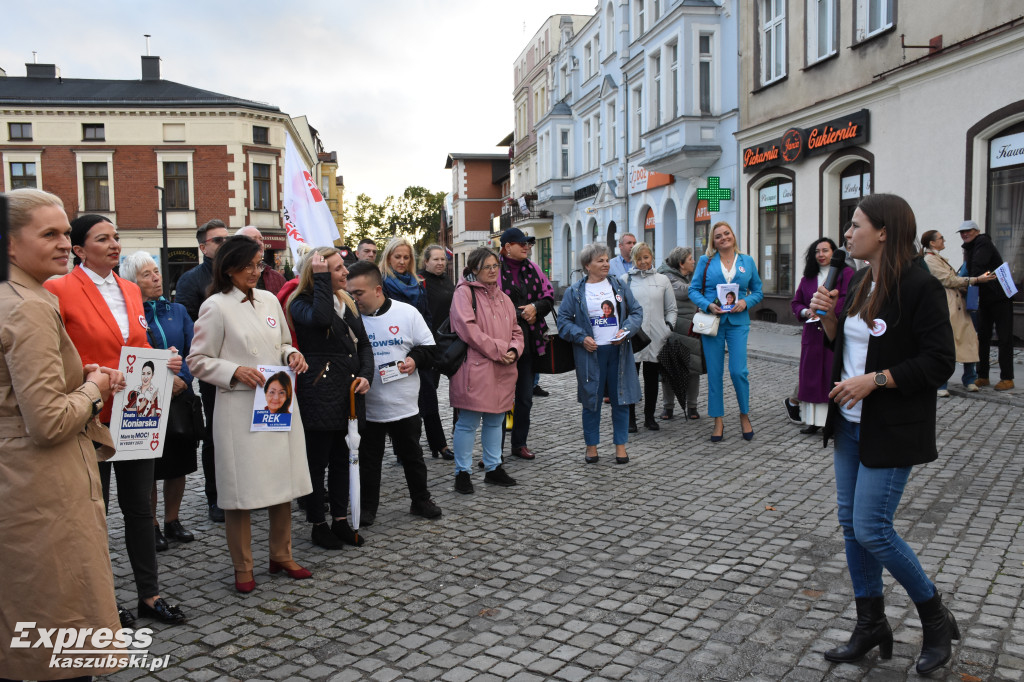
(588, 64)
(705, 63)
(609, 147)
(673, 74)
(564, 155)
(655, 66)
(638, 118)
(873, 17)
(773, 40)
(563, 91)
(821, 29)
(597, 54)
(22, 175)
(638, 19)
(543, 104)
(587, 144)
(609, 27)
(595, 127)
(655, 11)
(542, 155)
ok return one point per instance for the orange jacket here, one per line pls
(92, 326)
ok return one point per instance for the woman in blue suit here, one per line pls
(724, 264)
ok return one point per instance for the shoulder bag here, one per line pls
(639, 340)
(703, 323)
(450, 350)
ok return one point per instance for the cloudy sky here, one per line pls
(392, 85)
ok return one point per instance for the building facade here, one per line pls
(643, 115)
(105, 146)
(841, 98)
(480, 182)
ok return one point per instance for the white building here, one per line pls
(645, 109)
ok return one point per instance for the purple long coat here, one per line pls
(815, 357)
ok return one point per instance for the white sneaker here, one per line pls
(943, 393)
(971, 388)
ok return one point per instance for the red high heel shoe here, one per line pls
(247, 586)
(295, 573)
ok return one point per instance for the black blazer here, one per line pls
(897, 427)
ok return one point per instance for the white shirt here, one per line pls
(392, 335)
(111, 293)
(605, 326)
(728, 274)
(855, 356)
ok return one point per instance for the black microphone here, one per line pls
(835, 266)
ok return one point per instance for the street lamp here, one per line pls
(163, 250)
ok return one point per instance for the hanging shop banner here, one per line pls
(797, 143)
(640, 179)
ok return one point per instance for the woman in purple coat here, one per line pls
(815, 357)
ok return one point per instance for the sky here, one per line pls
(393, 86)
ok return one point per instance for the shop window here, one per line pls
(23, 175)
(543, 255)
(649, 228)
(776, 230)
(1005, 223)
(854, 184)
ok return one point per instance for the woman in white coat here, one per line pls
(240, 327)
(653, 291)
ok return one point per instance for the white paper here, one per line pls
(1005, 278)
(272, 404)
(138, 417)
(728, 296)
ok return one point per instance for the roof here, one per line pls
(454, 156)
(115, 93)
(561, 109)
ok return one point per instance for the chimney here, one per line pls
(150, 68)
(42, 71)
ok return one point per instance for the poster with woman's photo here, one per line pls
(272, 404)
(728, 295)
(138, 420)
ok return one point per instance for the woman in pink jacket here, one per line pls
(484, 387)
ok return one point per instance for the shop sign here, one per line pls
(640, 179)
(275, 242)
(798, 143)
(786, 193)
(649, 222)
(178, 255)
(851, 187)
(702, 214)
(769, 196)
(1006, 151)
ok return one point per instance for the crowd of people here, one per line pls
(358, 332)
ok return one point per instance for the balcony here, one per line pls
(687, 146)
(512, 214)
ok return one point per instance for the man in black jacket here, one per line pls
(191, 291)
(981, 256)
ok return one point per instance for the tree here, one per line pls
(415, 214)
(366, 220)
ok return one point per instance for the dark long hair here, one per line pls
(286, 383)
(927, 238)
(233, 255)
(892, 213)
(476, 260)
(811, 262)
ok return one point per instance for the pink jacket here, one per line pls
(483, 384)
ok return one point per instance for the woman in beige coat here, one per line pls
(932, 242)
(240, 327)
(56, 569)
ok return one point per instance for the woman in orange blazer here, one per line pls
(103, 313)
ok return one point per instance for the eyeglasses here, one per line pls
(215, 240)
(250, 268)
(493, 267)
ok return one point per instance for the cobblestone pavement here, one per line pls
(695, 561)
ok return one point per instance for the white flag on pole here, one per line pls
(307, 218)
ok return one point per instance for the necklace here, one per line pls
(729, 266)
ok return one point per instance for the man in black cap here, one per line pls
(981, 257)
(534, 297)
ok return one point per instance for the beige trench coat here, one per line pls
(956, 287)
(55, 569)
(254, 469)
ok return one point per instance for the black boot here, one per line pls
(632, 419)
(872, 630)
(940, 629)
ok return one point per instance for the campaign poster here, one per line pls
(138, 418)
(272, 403)
(1005, 278)
(728, 295)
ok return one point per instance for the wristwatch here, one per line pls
(880, 379)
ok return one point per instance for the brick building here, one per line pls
(104, 146)
(480, 182)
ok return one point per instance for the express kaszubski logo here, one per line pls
(91, 648)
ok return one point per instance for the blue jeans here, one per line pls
(970, 373)
(867, 499)
(607, 384)
(464, 437)
(714, 356)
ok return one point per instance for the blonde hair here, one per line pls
(640, 248)
(21, 203)
(385, 257)
(711, 250)
(306, 281)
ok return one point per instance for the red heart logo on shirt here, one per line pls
(393, 330)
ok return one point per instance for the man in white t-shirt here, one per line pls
(401, 342)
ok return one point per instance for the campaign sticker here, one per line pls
(878, 327)
(618, 297)
(271, 322)
(742, 269)
(142, 321)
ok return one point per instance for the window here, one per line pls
(821, 29)
(656, 88)
(587, 62)
(260, 135)
(639, 18)
(564, 83)
(854, 183)
(673, 73)
(261, 186)
(638, 118)
(657, 11)
(609, 147)
(1005, 205)
(97, 186)
(19, 131)
(565, 153)
(23, 175)
(597, 55)
(775, 236)
(773, 40)
(587, 140)
(704, 73)
(176, 185)
(873, 16)
(609, 27)
(93, 131)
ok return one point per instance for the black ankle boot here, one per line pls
(872, 630)
(940, 629)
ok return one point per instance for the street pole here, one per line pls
(164, 273)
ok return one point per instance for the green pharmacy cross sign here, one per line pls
(713, 193)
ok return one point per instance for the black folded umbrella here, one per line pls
(680, 357)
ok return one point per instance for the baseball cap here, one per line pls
(968, 225)
(516, 236)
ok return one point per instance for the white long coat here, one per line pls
(254, 469)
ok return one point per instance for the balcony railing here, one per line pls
(512, 214)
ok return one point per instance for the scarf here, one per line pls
(407, 289)
(531, 285)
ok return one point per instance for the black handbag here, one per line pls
(450, 351)
(557, 358)
(185, 417)
(639, 340)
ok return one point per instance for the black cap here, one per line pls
(516, 236)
